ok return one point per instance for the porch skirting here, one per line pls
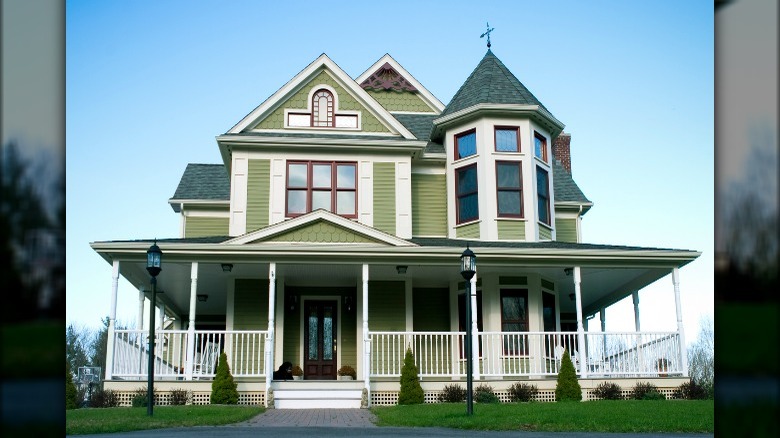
(385, 392)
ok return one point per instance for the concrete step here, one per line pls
(316, 394)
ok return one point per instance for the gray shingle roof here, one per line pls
(204, 182)
(418, 124)
(566, 190)
(461, 243)
(490, 82)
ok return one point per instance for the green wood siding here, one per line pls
(429, 205)
(250, 312)
(386, 306)
(566, 230)
(321, 231)
(257, 194)
(470, 231)
(195, 226)
(511, 230)
(431, 309)
(384, 197)
(545, 233)
(299, 101)
(400, 101)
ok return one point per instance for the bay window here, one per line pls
(509, 188)
(466, 193)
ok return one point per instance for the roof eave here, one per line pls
(537, 112)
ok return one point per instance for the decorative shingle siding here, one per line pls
(400, 101)
(198, 226)
(511, 230)
(470, 231)
(566, 230)
(258, 194)
(384, 197)
(429, 205)
(431, 309)
(386, 306)
(346, 102)
(321, 232)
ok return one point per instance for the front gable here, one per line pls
(353, 109)
(319, 226)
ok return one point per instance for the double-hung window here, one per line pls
(509, 188)
(514, 319)
(466, 193)
(466, 144)
(507, 139)
(543, 195)
(328, 185)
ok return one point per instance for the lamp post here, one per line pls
(468, 267)
(153, 266)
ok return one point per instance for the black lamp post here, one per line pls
(153, 266)
(468, 267)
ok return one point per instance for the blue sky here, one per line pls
(149, 85)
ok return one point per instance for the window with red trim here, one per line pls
(540, 147)
(322, 108)
(507, 139)
(328, 185)
(466, 144)
(466, 193)
(509, 188)
(514, 318)
(543, 195)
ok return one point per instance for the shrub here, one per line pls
(223, 388)
(608, 391)
(567, 387)
(140, 399)
(452, 394)
(104, 398)
(347, 370)
(646, 391)
(691, 391)
(180, 396)
(71, 392)
(522, 392)
(411, 391)
(484, 394)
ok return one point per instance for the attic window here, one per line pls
(322, 108)
(322, 113)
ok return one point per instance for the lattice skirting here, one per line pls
(390, 398)
(162, 398)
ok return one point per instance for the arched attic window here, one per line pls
(322, 108)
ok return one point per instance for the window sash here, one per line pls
(467, 192)
(543, 195)
(466, 144)
(509, 189)
(540, 147)
(315, 184)
(518, 322)
(507, 139)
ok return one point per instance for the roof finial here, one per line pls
(489, 29)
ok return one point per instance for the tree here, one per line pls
(701, 355)
(223, 388)
(411, 391)
(71, 393)
(99, 346)
(567, 387)
(75, 347)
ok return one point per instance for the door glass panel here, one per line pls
(313, 323)
(327, 333)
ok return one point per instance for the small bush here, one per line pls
(653, 395)
(522, 392)
(691, 391)
(411, 391)
(180, 396)
(484, 394)
(140, 399)
(452, 394)
(104, 398)
(223, 388)
(608, 391)
(640, 391)
(347, 370)
(567, 388)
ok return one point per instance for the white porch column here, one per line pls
(680, 329)
(474, 329)
(603, 317)
(112, 321)
(269, 340)
(635, 298)
(139, 320)
(191, 326)
(582, 353)
(366, 339)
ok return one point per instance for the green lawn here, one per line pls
(592, 416)
(33, 349)
(110, 420)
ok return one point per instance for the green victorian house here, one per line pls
(331, 232)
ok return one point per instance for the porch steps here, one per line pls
(313, 394)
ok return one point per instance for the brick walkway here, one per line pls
(313, 418)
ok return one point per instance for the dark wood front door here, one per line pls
(319, 340)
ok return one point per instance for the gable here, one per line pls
(321, 232)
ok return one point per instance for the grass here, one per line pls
(110, 420)
(635, 416)
(33, 350)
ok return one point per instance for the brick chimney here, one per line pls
(561, 150)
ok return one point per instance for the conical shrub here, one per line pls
(567, 388)
(223, 389)
(71, 393)
(411, 391)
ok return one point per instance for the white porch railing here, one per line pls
(440, 354)
(245, 351)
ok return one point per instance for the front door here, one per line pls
(319, 343)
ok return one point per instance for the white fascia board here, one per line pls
(250, 140)
(513, 109)
(426, 95)
(178, 204)
(347, 82)
(317, 215)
